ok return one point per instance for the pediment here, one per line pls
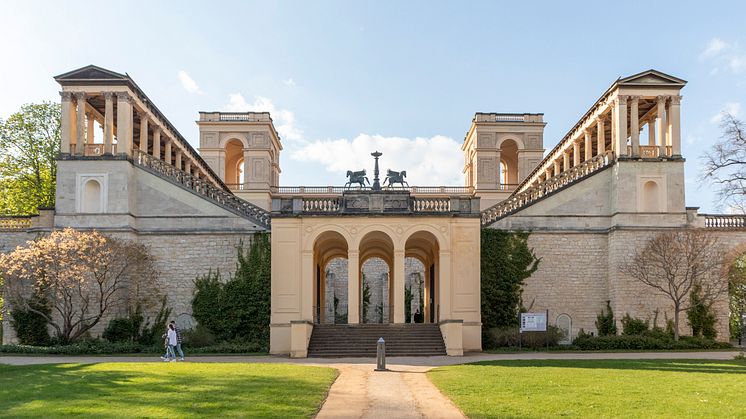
(652, 77)
(90, 72)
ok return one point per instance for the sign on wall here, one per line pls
(534, 322)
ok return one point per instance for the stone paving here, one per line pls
(402, 392)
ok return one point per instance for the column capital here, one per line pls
(124, 97)
(66, 96)
(662, 99)
(634, 98)
(621, 99)
(143, 117)
(108, 95)
(79, 95)
(676, 99)
(156, 128)
(600, 120)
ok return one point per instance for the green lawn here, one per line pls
(596, 388)
(163, 390)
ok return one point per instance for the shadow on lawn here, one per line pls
(52, 390)
(668, 365)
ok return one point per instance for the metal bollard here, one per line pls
(381, 355)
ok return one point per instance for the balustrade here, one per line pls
(321, 205)
(725, 221)
(10, 223)
(523, 199)
(202, 187)
(431, 204)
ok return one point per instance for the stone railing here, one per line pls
(321, 205)
(508, 117)
(202, 187)
(650, 151)
(234, 116)
(527, 197)
(431, 204)
(338, 190)
(725, 221)
(14, 222)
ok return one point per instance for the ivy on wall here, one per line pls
(506, 261)
(239, 309)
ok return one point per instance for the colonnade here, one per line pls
(614, 125)
(156, 138)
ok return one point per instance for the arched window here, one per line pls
(91, 202)
(650, 201)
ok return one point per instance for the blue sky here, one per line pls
(342, 78)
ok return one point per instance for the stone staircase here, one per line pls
(342, 340)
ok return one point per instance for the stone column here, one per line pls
(547, 174)
(89, 128)
(308, 279)
(157, 142)
(576, 153)
(651, 131)
(398, 288)
(353, 287)
(108, 122)
(188, 167)
(621, 125)
(634, 125)
(565, 161)
(660, 135)
(178, 159)
(80, 126)
(167, 151)
(144, 133)
(67, 125)
(499, 170)
(124, 123)
(588, 145)
(444, 283)
(612, 140)
(674, 120)
(601, 136)
(557, 170)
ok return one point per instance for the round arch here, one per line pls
(518, 142)
(234, 137)
(233, 156)
(327, 246)
(424, 245)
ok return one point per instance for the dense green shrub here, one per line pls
(633, 326)
(199, 337)
(238, 309)
(645, 342)
(107, 348)
(29, 325)
(137, 328)
(700, 315)
(509, 337)
(506, 261)
(605, 323)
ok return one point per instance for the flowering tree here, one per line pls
(81, 277)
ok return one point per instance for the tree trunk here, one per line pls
(677, 309)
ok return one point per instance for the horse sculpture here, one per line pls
(393, 177)
(357, 177)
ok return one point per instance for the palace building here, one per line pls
(612, 182)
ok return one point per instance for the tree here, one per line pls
(674, 263)
(506, 261)
(366, 298)
(29, 145)
(725, 163)
(605, 323)
(737, 292)
(82, 277)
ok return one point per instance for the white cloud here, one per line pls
(733, 108)
(714, 48)
(289, 82)
(283, 119)
(188, 83)
(428, 161)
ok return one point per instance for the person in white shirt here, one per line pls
(171, 341)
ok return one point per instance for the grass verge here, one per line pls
(171, 389)
(596, 388)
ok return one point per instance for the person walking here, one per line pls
(178, 341)
(171, 341)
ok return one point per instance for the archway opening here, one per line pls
(376, 265)
(234, 163)
(422, 288)
(509, 162)
(375, 278)
(330, 301)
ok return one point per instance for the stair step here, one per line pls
(341, 340)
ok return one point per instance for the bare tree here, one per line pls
(725, 163)
(673, 263)
(80, 277)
